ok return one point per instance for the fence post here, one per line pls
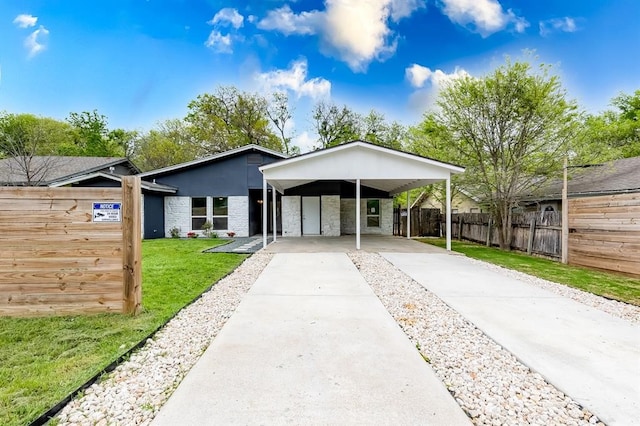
(532, 232)
(132, 250)
(459, 227)
(489, 232)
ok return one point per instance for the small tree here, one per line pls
(510, 129)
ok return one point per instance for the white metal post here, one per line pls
(408, 216)
(448, 196)
(275, 222)
(357, 214)
(565, 215)
(264, 212)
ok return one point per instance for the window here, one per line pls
(198, 212)
(373, 213)
(220, 213)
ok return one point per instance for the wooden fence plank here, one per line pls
(132, 248)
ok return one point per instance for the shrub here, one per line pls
(174, 232)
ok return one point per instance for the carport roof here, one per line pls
(378, 167)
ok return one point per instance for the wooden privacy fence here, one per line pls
(424, 222)
(604, 232)
(533, 232)
(70, 250)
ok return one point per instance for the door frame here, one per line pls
(302, 214)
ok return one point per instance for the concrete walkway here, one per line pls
(588, 354)
(311, 344)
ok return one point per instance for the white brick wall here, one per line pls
(177, 213)
(348, 217)
(291, 216)
(239, 216)
(330, 205)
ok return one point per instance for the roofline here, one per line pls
(212, 158)
(320, 152)
(116, 178)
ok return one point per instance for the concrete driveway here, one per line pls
(311, 344)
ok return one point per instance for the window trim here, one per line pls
(198, 216)
(219, 216)
(376, 215)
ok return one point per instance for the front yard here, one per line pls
(44, 359)
(610, 285)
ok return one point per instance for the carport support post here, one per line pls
(264, 212)
(448, 196)
(275, 222)
(408, 216)
(357, 214)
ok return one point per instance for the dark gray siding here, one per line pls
(231, 176)
(336, 187)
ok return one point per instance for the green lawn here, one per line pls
(44, 359)
(611, 285)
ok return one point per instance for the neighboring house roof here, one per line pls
(211, 159)
(378, 167)
(48, 169)
(614, 177)
(151, 186)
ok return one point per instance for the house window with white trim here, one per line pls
(220, 213)
(373, 213)
(198, 212)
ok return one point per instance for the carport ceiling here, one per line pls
(377, 167)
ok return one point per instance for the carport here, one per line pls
(361, 163)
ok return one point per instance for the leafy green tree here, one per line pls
(335, 125)
(509, 129)
(612, 134)
(229, 119)
(279, 113)
(91, 137)
(169, 143)
(376, 130)
(23, 137)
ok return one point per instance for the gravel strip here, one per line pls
(134, 392)
(488, 382)
(618, 309)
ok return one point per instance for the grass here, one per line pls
(44, 359)
(611, 285)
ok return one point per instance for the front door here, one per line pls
(310, 215)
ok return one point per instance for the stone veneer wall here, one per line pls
(330, 215)
(177, 213)
(238, 216)
(348, 217)
(291, 216)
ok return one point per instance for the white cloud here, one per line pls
(566, 24)
(35, 41)
(425, 96)
(482, 16)
(295, 80)
(227, 16)
(219, 43)
(25, 21)
(305, 141)
(284, 20)
(355, 31)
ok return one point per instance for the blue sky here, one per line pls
(139, 62)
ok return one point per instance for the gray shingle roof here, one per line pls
(609, 178)
(47, 169)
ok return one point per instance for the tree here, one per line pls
(335, 125)
(170, 143)
(229, 119)
(376, 130)
(510, 129)
(611, 135)
(91, 137)
(29, 142)
(279, 113)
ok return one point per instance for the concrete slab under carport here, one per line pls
(347, 243)
(311, 344)
(588, 354)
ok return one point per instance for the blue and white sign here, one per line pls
(107, 212)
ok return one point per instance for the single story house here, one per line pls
(613, 177)
(461, 201)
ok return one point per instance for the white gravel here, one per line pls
(488, 382)
(134, 392)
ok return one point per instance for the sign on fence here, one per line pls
(107, 212)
